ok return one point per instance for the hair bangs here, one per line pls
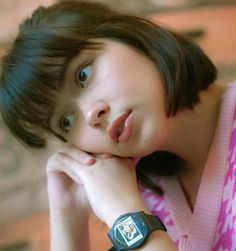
(31, 78)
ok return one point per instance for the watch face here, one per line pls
(129, 231)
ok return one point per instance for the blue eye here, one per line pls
(83, 74)
(66, 122)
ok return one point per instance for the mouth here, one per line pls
(121, 128)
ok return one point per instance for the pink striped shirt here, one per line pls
(212, 224)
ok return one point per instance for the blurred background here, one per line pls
(23, 196)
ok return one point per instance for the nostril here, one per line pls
(97, 125)
(101, 113)
(96, 115)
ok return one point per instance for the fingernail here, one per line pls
(89, 159)
(135, 160)
(106, 155)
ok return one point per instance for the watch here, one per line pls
(131, 230)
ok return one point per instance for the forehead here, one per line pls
(103, 51)
(101, 48)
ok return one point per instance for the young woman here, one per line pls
(147, 132)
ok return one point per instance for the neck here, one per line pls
(196, 128)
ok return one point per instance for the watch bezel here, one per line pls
(121, 237)
(145, 224)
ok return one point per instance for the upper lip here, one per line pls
(117, 125)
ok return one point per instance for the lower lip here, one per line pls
(127, 130)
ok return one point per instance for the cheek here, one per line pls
(87, 140)
(120, 79)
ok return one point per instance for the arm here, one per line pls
(159, 240)
(69, 207)
(68, 233)
(112, 190)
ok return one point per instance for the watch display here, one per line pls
(131, 230)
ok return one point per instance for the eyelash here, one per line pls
(78, 71)
(59, 122)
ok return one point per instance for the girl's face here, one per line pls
(113, 102)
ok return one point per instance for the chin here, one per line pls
(134, 153)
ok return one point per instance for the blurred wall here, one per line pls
(22, 180)
(22, 173)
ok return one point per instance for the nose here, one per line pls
(96, 116)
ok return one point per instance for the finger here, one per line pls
(71, 164)
(134, 160)
(57, 164)
(131, 162)
(79, 155)
(103, 155)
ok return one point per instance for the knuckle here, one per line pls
(74, 152)
(53, 162)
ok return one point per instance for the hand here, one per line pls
(65, 190)
(110, 184)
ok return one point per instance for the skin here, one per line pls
(118, 79)
(113, 88)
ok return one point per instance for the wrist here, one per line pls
(68, 232)
(69, 216)
(113, 216)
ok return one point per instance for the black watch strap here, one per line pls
(154, 221)
(112, 249)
